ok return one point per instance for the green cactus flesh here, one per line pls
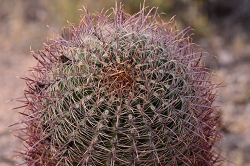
(123, 91)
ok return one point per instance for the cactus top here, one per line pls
(120, 90)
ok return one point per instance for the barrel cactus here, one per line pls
(120, 90)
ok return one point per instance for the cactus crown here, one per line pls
(122, 90)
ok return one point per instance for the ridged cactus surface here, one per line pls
(120, 90)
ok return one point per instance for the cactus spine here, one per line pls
(126, 90)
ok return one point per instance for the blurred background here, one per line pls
(221, 28)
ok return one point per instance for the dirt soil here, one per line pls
(11, 66)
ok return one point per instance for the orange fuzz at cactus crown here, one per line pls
(120, 90)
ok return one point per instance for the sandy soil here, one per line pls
(11, 66)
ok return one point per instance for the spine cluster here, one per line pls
(121, 90)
